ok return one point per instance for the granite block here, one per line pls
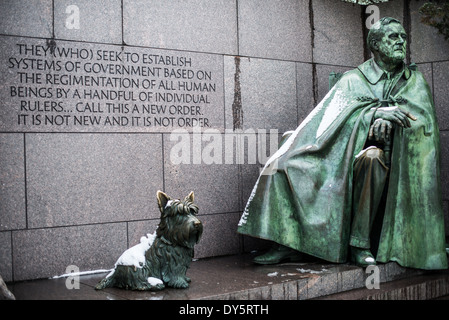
(260, 94)
(444, 164)
(275, 30)
(139, 229)
(77, 179)
(43, 253)
(426, 44)
(338, 36)
(441, 94)
(277, 291)
(197, 162)
(26, 18)
(261, 293)
(291, 290)
(312, 289)
(302, 289)
(66, 86)
(360, 278)
(394, 9)
(322, 74)
(351, 279)
(265, 293)
(446, 217)
(329, 283)
(322, 282)
(194, 25)
(219, 235)
(12, 182)
(6, 256)
(304, 90)
(384, 272)
(287, 290)
(240, 295)
(394, 271)
(426, 70)
(85, 20)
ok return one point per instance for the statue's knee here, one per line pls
(374, 153)
(370, 156)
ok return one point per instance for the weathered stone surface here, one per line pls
(194, 25)
(304, 90)
(12, 182)
(19, 17)
(139, 229)
(219, 237)
(6, 255)
(444, 143)
(276, 30)
(197, 162)
(441, 94)
(446, 216)
(322, 74)
(426, 44)
(338, 37)
(426, 70)
(92, 178)
(263, 94)
(43, 253)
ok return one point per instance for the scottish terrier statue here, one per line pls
(160, 260)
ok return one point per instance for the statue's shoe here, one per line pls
(362, 257)
(278, 254)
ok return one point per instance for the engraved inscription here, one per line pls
(66, 86)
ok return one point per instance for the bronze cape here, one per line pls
(306, 202)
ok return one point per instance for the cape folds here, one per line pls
(306, 203)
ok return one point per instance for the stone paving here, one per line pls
(238, 278)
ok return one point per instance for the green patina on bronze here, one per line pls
(306, 204)
(165, 261)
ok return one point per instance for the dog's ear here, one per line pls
(162, 200)
(190, 197)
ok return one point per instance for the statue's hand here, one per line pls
(395, 115)
(380, 130)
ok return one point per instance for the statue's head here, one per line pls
(387, 41)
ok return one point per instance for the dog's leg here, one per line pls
(107, 282)
(179, 282)
(155, 284)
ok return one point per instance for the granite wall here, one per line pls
(105, 102)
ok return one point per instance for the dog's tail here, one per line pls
(105, 283)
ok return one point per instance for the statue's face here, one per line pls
(392, 47)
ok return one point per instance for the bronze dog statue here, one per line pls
(161, 260)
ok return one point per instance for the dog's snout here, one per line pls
(196, 223)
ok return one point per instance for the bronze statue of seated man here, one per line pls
(359, 178)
